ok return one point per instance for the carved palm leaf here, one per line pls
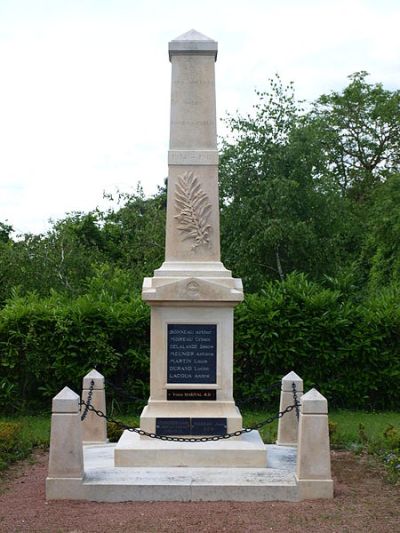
(193, 209)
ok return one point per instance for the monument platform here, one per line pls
(103, 482)
(248, 450)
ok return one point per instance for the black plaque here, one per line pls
(191, 426)
(194, 395)
(173, 426)
(208, 426)
(192, 353)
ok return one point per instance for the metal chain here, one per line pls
(296, 401)
(120, 424)
(89, 401)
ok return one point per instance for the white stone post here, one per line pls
(94, 428)
(313, 468)
(288, 424)
(66, 455)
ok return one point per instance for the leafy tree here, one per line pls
(275, 216)
(5, 232)
(359, 129)
(381, 250)
(134, 234)
(76, 248)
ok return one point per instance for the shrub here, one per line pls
(12, 445)
(47, 344)
(347, 349)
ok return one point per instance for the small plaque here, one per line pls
(208, 426)
(194, 395)
(173, 426)
(192, 353)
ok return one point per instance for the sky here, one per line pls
(85, 84)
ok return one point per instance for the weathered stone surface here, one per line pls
(313, 469)
(66, 457)
(105, 482)
(247, 451)
(94, 428)
(66, 401)
(314, 403)
(288, 424)
(95, 376)
(289, 379)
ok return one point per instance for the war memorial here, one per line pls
(191, 444)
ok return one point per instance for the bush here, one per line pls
(47, 344)
(347, 349)
(12, 446)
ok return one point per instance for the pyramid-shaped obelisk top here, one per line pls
(193, 42)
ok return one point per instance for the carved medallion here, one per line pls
(193, 289)
(193, 209)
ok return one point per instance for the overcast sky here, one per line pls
(84, 84)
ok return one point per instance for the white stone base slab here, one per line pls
(246, 451)
(103, 482)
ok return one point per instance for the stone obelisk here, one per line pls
(192, 295)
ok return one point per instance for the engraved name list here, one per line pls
(192, 353)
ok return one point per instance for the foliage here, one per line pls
(11, 447)
(300, 188)
(129, 237)
(380, 255)
(278, 216)
(359, 129)
(46, 344)
(349, 351)
(19, 435)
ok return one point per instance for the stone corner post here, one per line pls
(94, 428)
(288, 424)
(65, 474)
(313, 468)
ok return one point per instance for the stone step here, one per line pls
(246, 451)
(105, 482)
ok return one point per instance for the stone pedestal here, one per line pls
(66, 470)
(192, 295)
(94, 428)
(288, 425)
(313, 468)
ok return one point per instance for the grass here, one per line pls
(345, 426)
(358, 428)
(20, 434)
(354, 430)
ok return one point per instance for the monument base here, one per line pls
(246, 451)
(104, 482)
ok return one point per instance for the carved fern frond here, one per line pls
(193, 210)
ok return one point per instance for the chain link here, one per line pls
(141, 432)
(296, 401)
(89, 401)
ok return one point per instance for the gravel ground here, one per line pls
(363, 502)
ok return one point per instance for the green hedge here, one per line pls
(47, 344)
(349, 351)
